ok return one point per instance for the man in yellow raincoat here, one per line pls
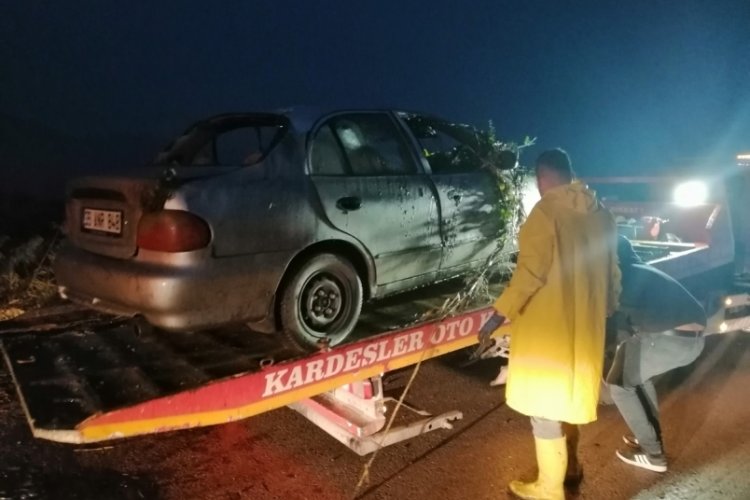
(565, 284)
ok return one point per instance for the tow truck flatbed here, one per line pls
(88, 385)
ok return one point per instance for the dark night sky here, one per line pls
(622, 85)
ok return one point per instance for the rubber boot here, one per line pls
(552, 458)
(574, 472)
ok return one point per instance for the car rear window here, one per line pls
(232, 140)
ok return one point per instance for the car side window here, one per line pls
(236, 146)
(326, 157)
(373, 145)
(205, 155)
(448, 147)
(239, 146)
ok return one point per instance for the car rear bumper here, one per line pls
(186, 291)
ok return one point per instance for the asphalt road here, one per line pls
(706, 420)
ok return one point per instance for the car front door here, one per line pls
(372, 187)
(470, 219)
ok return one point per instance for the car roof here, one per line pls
(303, 118)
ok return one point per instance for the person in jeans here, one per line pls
(664, 322)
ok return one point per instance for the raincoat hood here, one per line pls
(574, 196)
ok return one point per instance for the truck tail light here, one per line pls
(172, 231)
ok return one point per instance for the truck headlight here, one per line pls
(690, 193)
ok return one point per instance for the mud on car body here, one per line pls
(286, 221)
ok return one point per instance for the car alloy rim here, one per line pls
(322, 302)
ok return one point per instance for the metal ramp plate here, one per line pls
(67, 378)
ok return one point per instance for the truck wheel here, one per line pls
(320, 304)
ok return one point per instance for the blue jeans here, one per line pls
(638, 360)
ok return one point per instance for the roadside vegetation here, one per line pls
(29, 234)
(503, 160)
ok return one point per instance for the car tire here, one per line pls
(321, 302)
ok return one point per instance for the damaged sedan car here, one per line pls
(284, 221)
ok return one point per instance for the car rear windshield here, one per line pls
(228, 140)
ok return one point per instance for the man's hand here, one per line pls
(492, 324)
(485, 334)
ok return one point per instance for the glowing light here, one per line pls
(723, 327)
(529, 195)
(728, 302)
(690, 193)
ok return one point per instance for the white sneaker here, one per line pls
(656, 463)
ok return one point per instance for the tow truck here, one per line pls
(105, 379)
(694, 226)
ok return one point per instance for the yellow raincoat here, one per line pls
(566, 282)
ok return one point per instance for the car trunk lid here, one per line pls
(102, 213)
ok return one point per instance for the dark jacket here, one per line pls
(651, 300)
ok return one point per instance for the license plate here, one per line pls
(102, 221)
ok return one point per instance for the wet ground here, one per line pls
(706, 420)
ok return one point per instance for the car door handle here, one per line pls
(349, 203)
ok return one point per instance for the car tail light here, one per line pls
(173, 231)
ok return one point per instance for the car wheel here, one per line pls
(320, 304)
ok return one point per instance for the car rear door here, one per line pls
(372, 187)
(468, 195)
